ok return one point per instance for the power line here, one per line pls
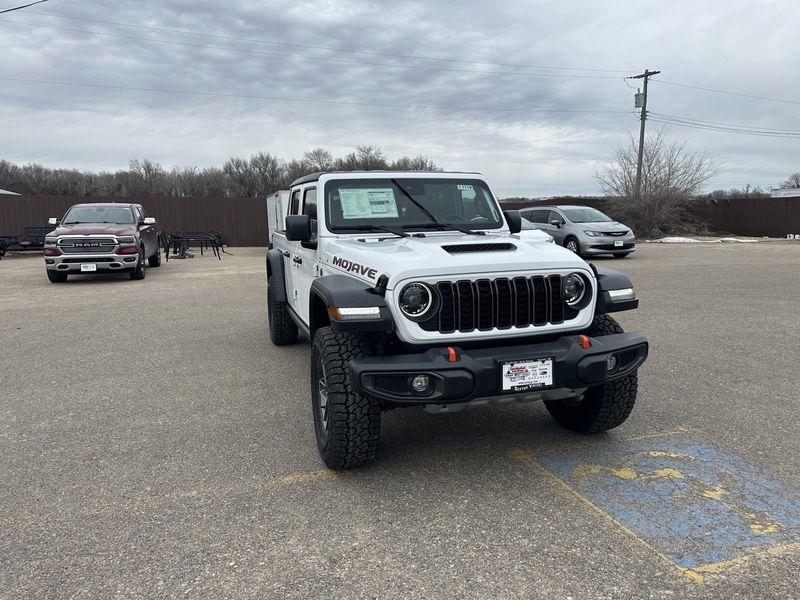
(705, 89)
(314, 58)
(691, 121)
(312, 100)
(727, 130)
(8, 10)
(330, 49)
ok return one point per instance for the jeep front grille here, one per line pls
(87, 245)
(500, 303)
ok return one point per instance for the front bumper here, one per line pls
(607, 245)
(476, 373)
(71, 263)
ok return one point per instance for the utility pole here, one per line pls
(645, 76)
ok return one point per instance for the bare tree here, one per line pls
(319, 159)
(671, 177)
(793, 181)
(268, 171)
(367, 158)
(418, 163)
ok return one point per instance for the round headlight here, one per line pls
(573, 288)
(415, 300)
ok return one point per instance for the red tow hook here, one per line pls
(451, 354)
(585, 343)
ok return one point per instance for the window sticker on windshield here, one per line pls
(464, 187)
(365, 203)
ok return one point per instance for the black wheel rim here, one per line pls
(322, 402)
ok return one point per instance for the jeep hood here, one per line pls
(445, 255)
(95, 229)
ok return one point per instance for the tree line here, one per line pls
(261, 174)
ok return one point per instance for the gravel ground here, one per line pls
(153, 444)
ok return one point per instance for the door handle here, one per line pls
(297, 260)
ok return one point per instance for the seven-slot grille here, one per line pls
(500, 303)
(87, 245)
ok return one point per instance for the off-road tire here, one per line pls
(282, 330)
(138, 272)
(155, 260)
(605, 406)
(353, 429)
(577, 248)
(56, 276)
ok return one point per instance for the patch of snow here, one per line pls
(687, 240)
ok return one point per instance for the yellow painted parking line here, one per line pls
(312, 476)
(693, 507)
(717, 568)
(530, 460)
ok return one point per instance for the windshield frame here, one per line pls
(587, 209)
(68, 220)
(414, 216)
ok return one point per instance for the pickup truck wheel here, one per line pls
(282, 330)
(56, 276)
(602, 407)
(347, 425)
(155, 260)
(138, 272)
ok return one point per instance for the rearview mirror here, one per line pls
(556, 222)
(52, 221)
(514, 220)
(298, 228)
(149, 221)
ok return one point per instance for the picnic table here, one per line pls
(180, 241)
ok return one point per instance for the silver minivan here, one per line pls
(582, 229)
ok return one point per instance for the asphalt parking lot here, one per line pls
(153, 444)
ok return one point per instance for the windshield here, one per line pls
(99, 214)
(586, 215)
(409, 203)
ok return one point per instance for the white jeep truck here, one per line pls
(414, 292)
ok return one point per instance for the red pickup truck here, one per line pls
(102, 238)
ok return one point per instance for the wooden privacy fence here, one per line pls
(241, 221)
(771, 217)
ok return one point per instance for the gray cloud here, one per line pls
(272, 56)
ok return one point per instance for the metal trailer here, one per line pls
(277, 203)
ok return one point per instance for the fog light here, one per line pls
(420, 383)
(611, 363)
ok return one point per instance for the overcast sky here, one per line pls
(532, 94)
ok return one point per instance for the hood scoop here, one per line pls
(459, 248)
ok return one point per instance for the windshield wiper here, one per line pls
(415, 202)
(438, 225)
(396, 232)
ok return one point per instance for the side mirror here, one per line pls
(514, 220)
(556, 222)
(149, 221)
(52, 221)
(298, 228)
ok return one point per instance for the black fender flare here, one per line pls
(341, 291)
(609, 280)
(275, 269)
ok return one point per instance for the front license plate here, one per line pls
(618, 243)
(523, 375)
(88, 268)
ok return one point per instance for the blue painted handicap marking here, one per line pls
(694, 504)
